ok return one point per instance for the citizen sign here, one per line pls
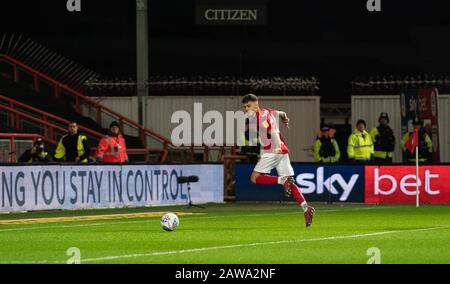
(317, 183)
(231, 15)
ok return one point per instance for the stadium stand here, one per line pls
(23, 84)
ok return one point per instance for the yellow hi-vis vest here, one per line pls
(328, 160)
(428, 144)
(360, 146)
(246, 143)
(61, 150)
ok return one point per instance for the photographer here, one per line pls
(36, 154)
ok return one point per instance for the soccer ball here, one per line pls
(170, 222)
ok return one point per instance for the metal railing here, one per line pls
(79, 101)
(12, 137)
(49, 131)
(42, 115)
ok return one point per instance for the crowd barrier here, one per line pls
(56, 187)
(61, 187)
(369, 184)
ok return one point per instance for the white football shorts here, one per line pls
(280, 162)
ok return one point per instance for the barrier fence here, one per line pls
(56, 187)
(369, 184)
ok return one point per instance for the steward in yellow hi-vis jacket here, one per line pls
(383, 140)
(73, 148)
(326, 148)
(360, 146)
(250, 145)
(425, 144)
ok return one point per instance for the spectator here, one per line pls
(425, 144)
(250, 142)
(429, 130)
(360, 146)
(384, 140)
(36, 154)
(73, 148)
(326, 148)
(112, 148)
(331, 132)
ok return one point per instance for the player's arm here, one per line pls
(284, 118)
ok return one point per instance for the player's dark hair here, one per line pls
(249, 98)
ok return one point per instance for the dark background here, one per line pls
(335, 41)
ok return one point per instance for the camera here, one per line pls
(39, 145)
(40, 149)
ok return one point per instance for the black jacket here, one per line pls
(28, 158)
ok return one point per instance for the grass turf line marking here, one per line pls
(89, 218)
(149, 221)
(117, 257)
(106, 258)
(31, 262)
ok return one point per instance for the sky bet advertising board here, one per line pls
(397, 184)
(340, 183)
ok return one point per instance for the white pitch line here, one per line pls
(31, 262)
(106, 258)
(227, 247)
(73, 226)
(189, 217)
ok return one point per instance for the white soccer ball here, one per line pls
(170, 222)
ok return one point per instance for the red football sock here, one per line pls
(297, 194)
(263, 179)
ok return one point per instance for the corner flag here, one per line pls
(413, 141)
(413, 146)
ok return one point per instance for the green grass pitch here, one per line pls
(235, 233)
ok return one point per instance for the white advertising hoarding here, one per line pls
(54, 187)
